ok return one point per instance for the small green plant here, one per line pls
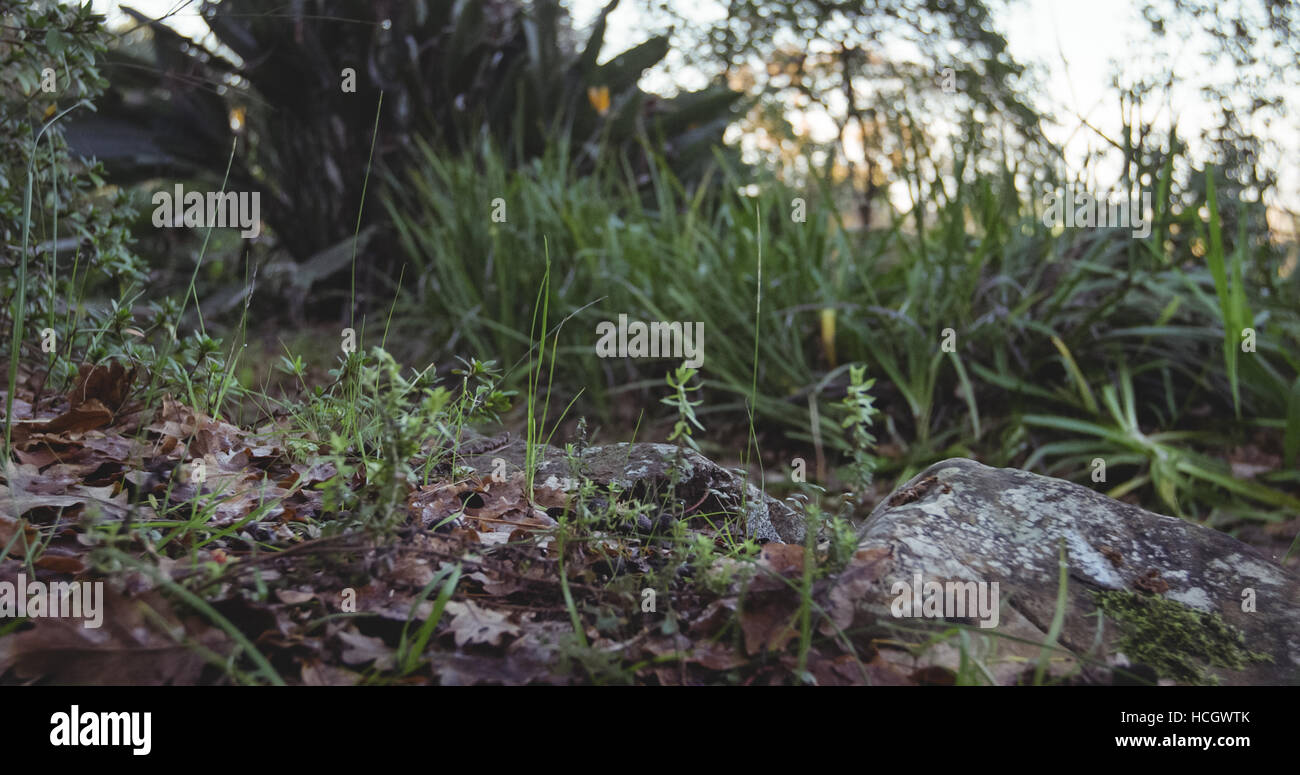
(860, 410)
(541, 309)
(842, 543)
(681, 401)
(387, 418)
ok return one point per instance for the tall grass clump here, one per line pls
(992, 334)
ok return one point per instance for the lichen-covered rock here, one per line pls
(662, 471)
(1187, 603)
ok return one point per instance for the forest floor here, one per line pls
(224, 560)
(230, 555)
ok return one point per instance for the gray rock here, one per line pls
(660, 471)
(1175, 594)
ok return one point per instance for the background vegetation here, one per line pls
(1071, 344)
(827, 297)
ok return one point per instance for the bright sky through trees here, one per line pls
(1077, 47)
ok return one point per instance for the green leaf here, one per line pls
(1241, 486)
(1076, 376)
(410, 651)
(1291, 441)
(622, 72)
(696, 108)
(55, 42)
(968, 393)
(467, 16)
(1008, 382)
(1085, 428)
(1228, 312)
(587, 62)
(1058, 618)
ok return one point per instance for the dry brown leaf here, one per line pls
(125, 650)
(853, 585)
(716, 655)
(933, 675)
(109, 385)
(317, 673)
(361, 649)
(471, 669)
(305, 475)
(433, 504)
(24, 492)
(494, 509)
(498, 584)
(294, 596)
(9, 528)
(84, 417)
(843, 670)
(61, 561)
(783, 559)
(768, 622)
(472, 624)
(411, 571)
(22, 409)
(550, 495)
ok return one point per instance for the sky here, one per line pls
(1077, 47)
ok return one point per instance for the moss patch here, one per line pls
(1176, 641)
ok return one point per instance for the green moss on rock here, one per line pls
(1176, 641)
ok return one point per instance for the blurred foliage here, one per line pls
(80, 271)
(896, 79)
(81, 279)
(1251, 48)
(1070, 344)
(454, 72)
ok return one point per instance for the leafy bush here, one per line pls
(78, 275)
(453, 72)
(76, 282)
